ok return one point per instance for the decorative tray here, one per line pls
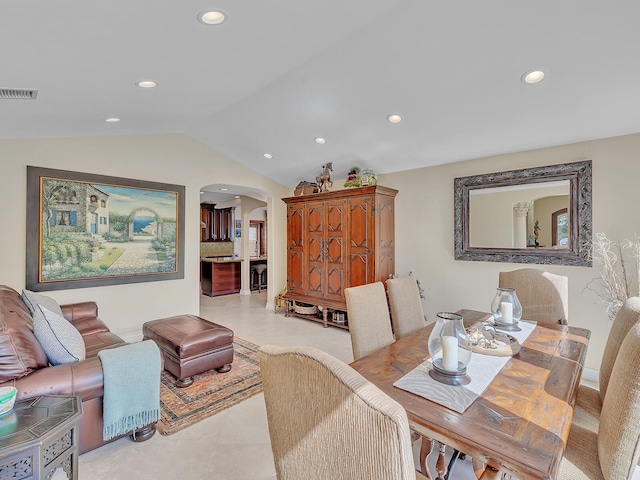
(487, 341)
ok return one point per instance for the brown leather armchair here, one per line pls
(24, 365)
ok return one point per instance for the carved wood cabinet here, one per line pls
(337, 240)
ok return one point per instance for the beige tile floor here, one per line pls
(234, 444)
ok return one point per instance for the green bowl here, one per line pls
(7, 399)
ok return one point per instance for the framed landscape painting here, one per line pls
(87, 230)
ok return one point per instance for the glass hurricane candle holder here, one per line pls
(506, 308)
(450, 349)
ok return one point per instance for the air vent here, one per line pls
(17, 94)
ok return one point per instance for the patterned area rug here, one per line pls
(210, 392)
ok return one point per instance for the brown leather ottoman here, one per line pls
(191, 345)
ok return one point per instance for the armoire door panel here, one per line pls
(385, 225)
(295, 226)
(334, 283)
(359, 269)
(334, 250)
(315, 281)
(315, 217)
(315, 249)
(386, 265)
(358, 225)
(295, 272)
(334, 217)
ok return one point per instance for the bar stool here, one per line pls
(259, 270)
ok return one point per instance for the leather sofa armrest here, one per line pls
(78, 311)
(84, 316)
(84, 379)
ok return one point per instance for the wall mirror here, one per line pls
(534, 215)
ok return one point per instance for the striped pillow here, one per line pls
(60, 340)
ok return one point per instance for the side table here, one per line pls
(38, 436)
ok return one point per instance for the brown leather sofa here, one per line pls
(23, 363)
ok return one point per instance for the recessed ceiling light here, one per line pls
(533, 76)
(320, 140)
(267, 155)
(147, 84)
(237, 196)
(112, 120)
(394, 118)
(212, 17)
(201, 193)
(224, 189)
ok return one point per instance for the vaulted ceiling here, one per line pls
(278, 73)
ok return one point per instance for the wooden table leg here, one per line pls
(425, 450)
(441, 463)
(484, 471)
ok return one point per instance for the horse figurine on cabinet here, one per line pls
(324, 179)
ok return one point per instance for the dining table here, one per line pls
(518, 426)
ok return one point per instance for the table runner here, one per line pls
(481, 369)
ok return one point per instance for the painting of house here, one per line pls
(76, 207)
(90, 228)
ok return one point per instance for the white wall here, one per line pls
(424, 228)
(175, 159)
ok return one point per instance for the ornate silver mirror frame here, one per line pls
(577, 252)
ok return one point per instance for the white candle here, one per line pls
(507, 312)
(450, 354)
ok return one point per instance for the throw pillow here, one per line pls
(31, 299)
(60, 340)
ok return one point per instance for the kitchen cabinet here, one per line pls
(337, 240)
(216, 223)
(219, 276)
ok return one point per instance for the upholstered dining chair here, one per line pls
(543, 295)
(407, 314)
(326, 421)
(611, 450)
(368, 316)
(589, 400)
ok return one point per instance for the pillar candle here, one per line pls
(507, 312)
(450, 354)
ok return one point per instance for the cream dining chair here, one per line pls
(407, 314)
(370, 327)
(543, 295)
(589, 400)
(326, 421)
(611, 450)
(368, 317)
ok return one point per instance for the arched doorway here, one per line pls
(246, 205)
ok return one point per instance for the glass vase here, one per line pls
(449, 349)
(506, 307)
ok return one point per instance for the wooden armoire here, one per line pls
(337, 240)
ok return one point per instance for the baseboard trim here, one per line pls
(590, 375)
